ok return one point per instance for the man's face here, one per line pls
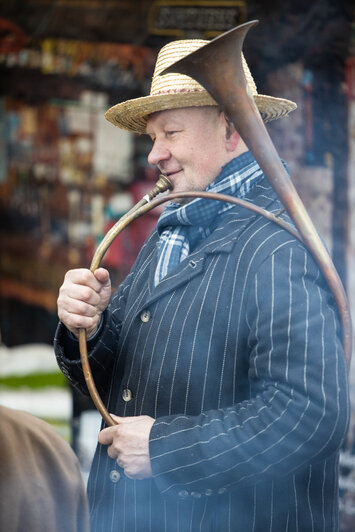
(189, 145)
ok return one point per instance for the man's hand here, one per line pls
(128, 443)
(83, 297)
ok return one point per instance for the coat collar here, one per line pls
(222, 240)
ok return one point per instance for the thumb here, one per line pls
(126, 419)
(116, 418)
(102, 275)
(104, 292)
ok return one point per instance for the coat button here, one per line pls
(196, 494)
(145, 316)
(183, 494)
(114, 476)
(127, 395)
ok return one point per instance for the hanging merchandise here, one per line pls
(12, 37)
(109, 65)
(123, 250)
(63, 167)
(113, 151)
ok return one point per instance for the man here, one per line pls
(41, 486)
(220, 355)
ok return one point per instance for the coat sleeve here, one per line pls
(102, 348)
(297, 411)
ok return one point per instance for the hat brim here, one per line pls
(132, 115)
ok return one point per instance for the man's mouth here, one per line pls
(171, 175)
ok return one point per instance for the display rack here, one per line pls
(66, 173)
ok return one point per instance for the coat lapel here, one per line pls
(222, 240)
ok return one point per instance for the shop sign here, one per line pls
(194, 18)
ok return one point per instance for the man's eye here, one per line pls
(171, 133)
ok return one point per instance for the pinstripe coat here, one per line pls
(237, 355)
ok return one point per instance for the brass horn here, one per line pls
(220, 60)
(146, 204)
(217, 66)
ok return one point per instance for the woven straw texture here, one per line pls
(172, 91)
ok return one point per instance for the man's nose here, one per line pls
(158, 153)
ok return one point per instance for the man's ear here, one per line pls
(232, 135)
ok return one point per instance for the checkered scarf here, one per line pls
(182, 227)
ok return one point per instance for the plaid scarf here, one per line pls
(182, 227)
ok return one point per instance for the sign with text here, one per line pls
(195, 19)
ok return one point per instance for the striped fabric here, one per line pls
(237, 355)
(181, 227)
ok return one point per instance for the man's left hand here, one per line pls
(128, 443)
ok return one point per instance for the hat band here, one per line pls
(176, 91)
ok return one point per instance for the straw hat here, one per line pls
(171, 91)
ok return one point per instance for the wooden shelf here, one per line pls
(47, 299)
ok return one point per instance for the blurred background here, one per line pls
(66, 174)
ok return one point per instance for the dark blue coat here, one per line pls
(237, 355)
